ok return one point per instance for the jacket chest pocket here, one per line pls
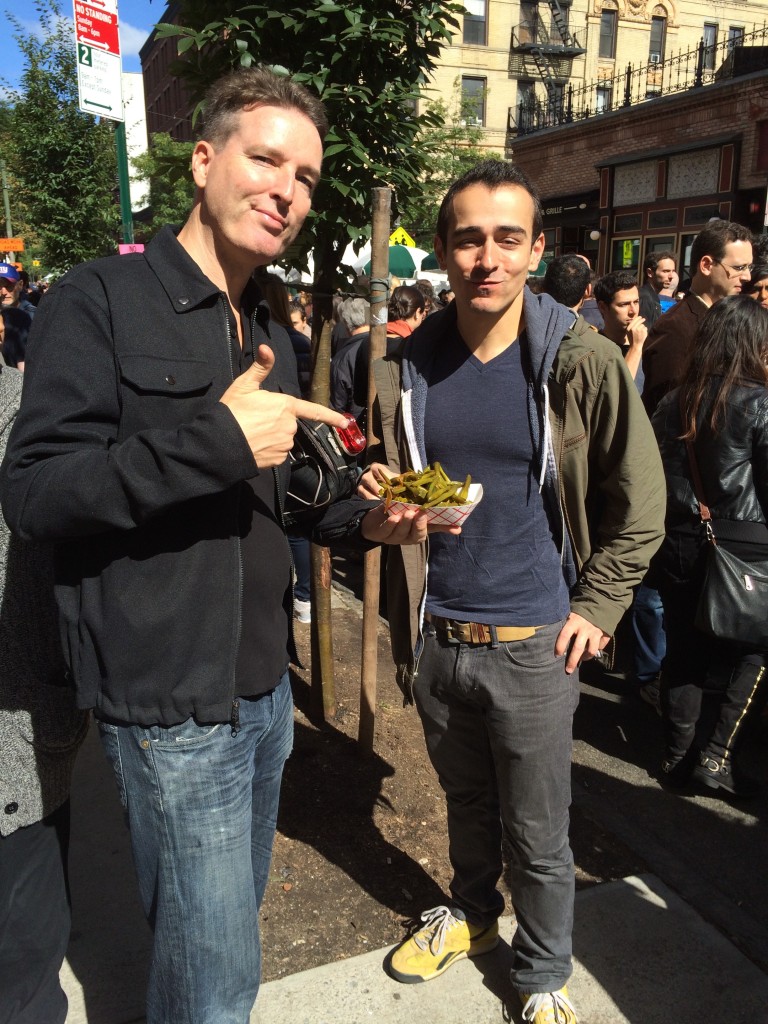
(162, 392)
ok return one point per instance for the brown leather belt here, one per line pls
(476, 633)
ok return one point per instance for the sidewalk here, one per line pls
(642, 957)
(642, 954)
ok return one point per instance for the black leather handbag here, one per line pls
(733, 603)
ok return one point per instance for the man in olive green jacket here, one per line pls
(609, 475)
(513, 389)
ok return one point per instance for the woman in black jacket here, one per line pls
(722, 407)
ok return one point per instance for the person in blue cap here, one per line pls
(16, 321)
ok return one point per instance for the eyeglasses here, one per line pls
(8, 285)
(743, 268)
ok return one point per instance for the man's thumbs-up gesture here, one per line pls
(268, 419)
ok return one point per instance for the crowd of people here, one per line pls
(143, 484)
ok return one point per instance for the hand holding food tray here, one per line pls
(446, 502)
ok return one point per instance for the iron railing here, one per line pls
(686, 70)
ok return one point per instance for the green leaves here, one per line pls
(367, 61)
(63, 161)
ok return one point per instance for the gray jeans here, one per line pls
(498, 726)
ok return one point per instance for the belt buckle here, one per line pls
(449, 632)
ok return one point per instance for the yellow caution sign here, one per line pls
(401, 237)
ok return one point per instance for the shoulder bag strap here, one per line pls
(698, 487)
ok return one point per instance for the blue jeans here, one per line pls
(650, 638)
(498, 725)
(202, 810)
(300, 548)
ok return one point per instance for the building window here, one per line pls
(608, 32)
(735, 37)
(556, 101)
(526, 93)
(710, 42)
(529, 13)
(762, 146)
(473, 100)
(603, 99)
(559, 20)
(658, 36)
(475, 23)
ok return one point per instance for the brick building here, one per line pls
(516, 63)
(649, 177)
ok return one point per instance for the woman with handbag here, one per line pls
(712, 569)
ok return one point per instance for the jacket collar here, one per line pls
(186, 286)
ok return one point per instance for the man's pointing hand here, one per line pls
(267, 418)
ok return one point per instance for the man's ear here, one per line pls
(202, 156)
(705, 265)
(439, 248)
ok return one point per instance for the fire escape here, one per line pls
(541, 52)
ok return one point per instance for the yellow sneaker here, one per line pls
(548, 1008)
(441, 941)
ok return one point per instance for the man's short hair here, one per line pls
(567, 279)
(492, 174)
(248, 88)
(653, 259)
(617, 281)
(355, 312)
(712, 240)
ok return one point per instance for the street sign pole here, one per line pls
(99, 83)
(124, 180)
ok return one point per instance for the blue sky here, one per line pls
(135, 17)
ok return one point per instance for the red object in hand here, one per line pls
(351, 436)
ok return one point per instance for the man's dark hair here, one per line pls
(493, 174)
(653, 259)
(248, 88)
(712, 240)
(617, 281)
(567, 279)
(426, 289)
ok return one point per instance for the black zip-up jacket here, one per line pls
(733, 462)
(123, 455)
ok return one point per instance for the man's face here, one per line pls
(257, 185)
(9, 291)
(663, 275)
(489, 250)
(620, 312)
(759, 292)
(298, 319)
(731, 274)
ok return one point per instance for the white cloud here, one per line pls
(132, 39)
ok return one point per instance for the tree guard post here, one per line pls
(380, 225)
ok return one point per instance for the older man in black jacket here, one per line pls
(153, 453)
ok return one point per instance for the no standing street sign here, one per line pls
(99, 66)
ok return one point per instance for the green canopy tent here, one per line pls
(403, 261)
